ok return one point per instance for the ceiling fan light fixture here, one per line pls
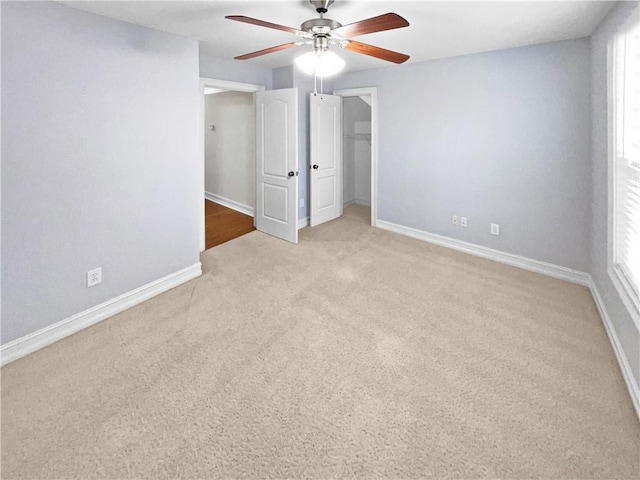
(323, 62)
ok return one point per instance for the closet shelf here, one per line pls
(359, 136)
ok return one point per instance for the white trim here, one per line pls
(625, 368)
(224, 85)
(46, 336)
(373, 93)
(625, 292)
(227, 202)
(303, 222)
(356, 201)
(610, 157)
(360, 201)
(230, 86)
(556, 271)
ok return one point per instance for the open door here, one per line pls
(326, 158)
(277, 163)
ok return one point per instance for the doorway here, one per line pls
(356, 153)
(360, 150)
(228, 160)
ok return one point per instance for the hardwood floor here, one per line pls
(223, 224)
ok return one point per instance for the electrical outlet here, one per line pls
(454, 220)
(463, 222)
(302, 203)
(94, 277)
(495, 229)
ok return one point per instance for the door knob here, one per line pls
(315, 167)
(291, 174)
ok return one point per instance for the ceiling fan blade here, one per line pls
(382, 53)
(388, 21)
(268, 50)
(262, 23)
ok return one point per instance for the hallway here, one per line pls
(223, 224)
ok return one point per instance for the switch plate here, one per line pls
(454, 220)
(495, 229)
(302, 203)
(94, 277)
(463, 222)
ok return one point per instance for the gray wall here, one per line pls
(626, 330)
(356, 151)
(241, 71)
(100, 156)
(500, 137)
(282, 77)
(230, 149)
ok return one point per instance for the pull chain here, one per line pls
(315, 85)
(315, 81)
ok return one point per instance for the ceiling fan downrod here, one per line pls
(321, 6)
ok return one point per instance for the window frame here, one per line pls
(628, 293)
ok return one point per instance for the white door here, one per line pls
(326, 158)
(277, 163)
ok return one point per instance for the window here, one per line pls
(624, 163)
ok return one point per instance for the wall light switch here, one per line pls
(302, 203)
(463, 222)
(495, 229)
(454, 220)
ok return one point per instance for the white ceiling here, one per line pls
(438, 29)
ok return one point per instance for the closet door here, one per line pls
(326, 158)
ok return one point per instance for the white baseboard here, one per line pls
(356, 201)
(556, 271)
(237, 206)
(627, 374)
(303, 222)
(46, 336)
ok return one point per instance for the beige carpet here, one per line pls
(357, 353)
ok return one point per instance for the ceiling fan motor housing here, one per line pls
(319, 26)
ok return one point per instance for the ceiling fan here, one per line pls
(323, 32)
